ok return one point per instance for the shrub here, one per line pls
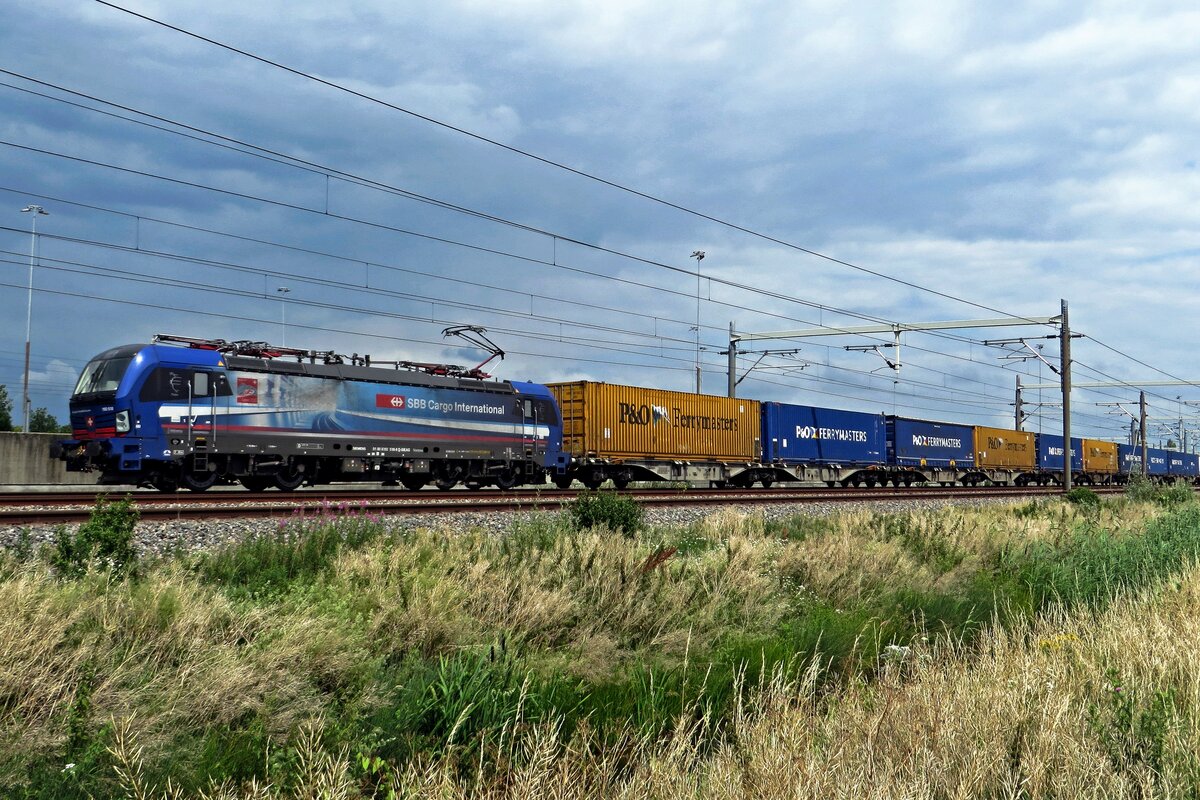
(609, 509)
(1141, 489)
(1083, 497)
(105, 541)
(1176, 494)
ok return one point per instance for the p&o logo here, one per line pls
(644, 414)
(807, 432)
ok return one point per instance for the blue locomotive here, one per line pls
(191, 413)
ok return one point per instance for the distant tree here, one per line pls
(42, 421)
(5, 409)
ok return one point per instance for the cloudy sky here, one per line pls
(839, 164)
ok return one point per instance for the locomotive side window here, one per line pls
(546, 413)
(171, 384)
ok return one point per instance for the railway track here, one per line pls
(26, 508)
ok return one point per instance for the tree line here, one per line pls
(40, 420)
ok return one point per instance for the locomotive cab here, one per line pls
(98, 415)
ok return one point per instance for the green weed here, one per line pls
(617, 512)
(105, 542)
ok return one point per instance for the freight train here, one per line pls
(191, 413)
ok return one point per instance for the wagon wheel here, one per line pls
(767, 483)
(563, 481)
(474, 486)
(255, 483)
(445, 484)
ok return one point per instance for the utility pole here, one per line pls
(35, 211)
(699, 256)
(1142, 434)
(732, 363)
(1018, 415)
(1066, 395)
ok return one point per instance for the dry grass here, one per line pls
(1022, 719)
(167, 654)
(1023, 713)
(588, 592)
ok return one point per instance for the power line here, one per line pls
(517, 256)
(543, 159)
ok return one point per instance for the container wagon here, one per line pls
(920, 451)
(808, 444)
(1050, 461)
(1158, 465)
(629, 433)
(1002, 456)
(1100, 462)
(1184, 467)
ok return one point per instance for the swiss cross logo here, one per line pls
(389, 401)
(91, 423)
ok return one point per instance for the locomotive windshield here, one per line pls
(102, 375)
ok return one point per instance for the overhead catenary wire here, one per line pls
(544, 160)
(136, 277)
(276, 156)
(951, 356)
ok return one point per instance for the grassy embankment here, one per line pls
(852, 655)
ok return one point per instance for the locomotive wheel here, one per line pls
(288, 480)
(474, 486)
(197, 481)
(255, 483)
(445, 484)
(506, 479)
(563, 481)
(413, 483)
(165, 484)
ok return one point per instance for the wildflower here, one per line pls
(69, 767)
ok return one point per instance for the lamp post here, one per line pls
(699, 256)
(283, 293)
(36, 211)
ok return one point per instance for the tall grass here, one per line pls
(471, 663)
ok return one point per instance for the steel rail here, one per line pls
(310, 505)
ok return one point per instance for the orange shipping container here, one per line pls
(1000, 448)
(626, 423)
(1099, 457)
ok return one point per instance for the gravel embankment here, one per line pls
(164, 537)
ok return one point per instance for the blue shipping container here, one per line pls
(919, 443)
(808, 435)
(1050, 453)
(1131, 459)
(1186, 464)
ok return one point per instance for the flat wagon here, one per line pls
(628, 433)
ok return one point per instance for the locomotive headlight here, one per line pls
(122, 422)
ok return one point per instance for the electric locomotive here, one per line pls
(191, 413)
